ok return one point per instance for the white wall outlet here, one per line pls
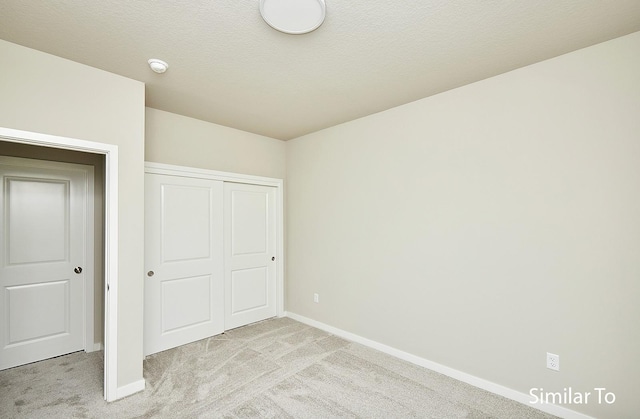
(553, 361)
(316, 298)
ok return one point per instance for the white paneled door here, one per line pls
(45, 215)
(250, 250)
(183, 257)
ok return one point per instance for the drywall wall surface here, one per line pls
(485, 226)
(47, 94)
(179, 140)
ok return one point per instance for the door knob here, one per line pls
(273, 258)
(150, 273)
(77, 269)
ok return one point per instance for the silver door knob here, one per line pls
(150, 273)
(77, 269)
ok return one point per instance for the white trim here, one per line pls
(130, 389)
(442, 369)
(173, 170)
(110, 152)
(280, 251)
(111, 276)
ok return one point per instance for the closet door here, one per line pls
(184, 293)
(250, 249)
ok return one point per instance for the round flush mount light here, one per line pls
(158, 66)
(293, 16)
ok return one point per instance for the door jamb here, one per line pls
(110, 151)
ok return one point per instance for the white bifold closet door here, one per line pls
(250, 249)
(184, 293)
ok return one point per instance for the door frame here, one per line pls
(110, 151)
(173, 170)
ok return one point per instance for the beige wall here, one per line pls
(482, 227)
(47, 94)
(183, 141)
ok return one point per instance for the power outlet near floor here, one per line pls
(553, 361)
(316, 297)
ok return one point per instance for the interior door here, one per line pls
(43, 218)
(250, 249)
(183, 257)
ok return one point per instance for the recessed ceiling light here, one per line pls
(158, 66)
(293, 16)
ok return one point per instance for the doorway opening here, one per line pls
(104, 158)
(47, 257)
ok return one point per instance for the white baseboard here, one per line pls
(130, 389)
(523, 398)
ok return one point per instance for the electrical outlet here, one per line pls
(553, 361)
(316, 298)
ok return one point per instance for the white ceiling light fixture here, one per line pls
(158, 66)
(294, 17)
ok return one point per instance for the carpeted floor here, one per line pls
(277, 368)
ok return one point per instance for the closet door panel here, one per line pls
(250, 245)
(184, 293)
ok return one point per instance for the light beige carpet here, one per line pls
(278, 368)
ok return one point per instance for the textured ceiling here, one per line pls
(227, 66)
